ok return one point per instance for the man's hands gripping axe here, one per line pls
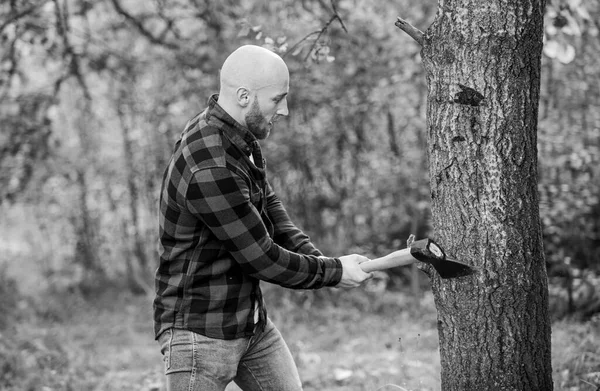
(424, 250)
(357, 269)
(353, 275)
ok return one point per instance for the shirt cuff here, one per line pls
(333, 271)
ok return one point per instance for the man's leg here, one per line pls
(268, 364)
(194, 362)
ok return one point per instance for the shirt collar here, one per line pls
(237, 133)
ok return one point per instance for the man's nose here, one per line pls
(283, 109)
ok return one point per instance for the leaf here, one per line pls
(551, 48)
(259, 35)
(341, 374)
(551, 11)
(314, 55)
(572, 27)
(551, 29)
(269, 41)
(567, 54)
(583, 12)
(244, 32)
(330, 58)
(563, 52)
(297, 50)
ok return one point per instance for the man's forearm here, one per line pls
(287, 234)
(220, 199)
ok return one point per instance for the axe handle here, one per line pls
(397, 258)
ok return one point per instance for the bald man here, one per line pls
(223, 230)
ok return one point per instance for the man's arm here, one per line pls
(287, 234)
(221, 200)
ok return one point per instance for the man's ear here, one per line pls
(243, 96)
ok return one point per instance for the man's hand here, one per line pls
(353, 275)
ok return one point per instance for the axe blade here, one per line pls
(427, 251)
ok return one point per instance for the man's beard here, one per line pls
(257, 123)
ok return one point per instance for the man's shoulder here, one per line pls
(202, 145)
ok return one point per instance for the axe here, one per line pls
(424, 250)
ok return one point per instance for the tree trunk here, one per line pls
(86, 247)
(136, 265)
(84, 221)
(482, 60)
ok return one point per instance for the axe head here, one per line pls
(427, 251)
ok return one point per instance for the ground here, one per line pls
(340, 341)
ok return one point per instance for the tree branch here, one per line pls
(169, 22)
(11, 71)
(323, 31)
(335, 12)
(291, 50)
(62, 26)
(140, 27)
(318, 33)
(411, 30)
(18, 15)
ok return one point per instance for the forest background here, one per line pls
(93, 95)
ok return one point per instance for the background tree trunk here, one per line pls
(483, 70)
(137, 262)
(85, 220)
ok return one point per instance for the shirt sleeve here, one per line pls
(221, 200)
(287, 234)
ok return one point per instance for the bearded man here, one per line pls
(223, 230)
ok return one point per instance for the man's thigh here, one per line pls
(268, 364)
(195, 362)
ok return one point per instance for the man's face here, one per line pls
(270, 103)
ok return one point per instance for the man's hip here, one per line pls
(196, 362)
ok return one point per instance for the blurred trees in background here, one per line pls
(94, 93)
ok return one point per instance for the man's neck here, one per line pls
(231, 109)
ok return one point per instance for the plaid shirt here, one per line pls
(222, 229)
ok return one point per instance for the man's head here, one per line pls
(254, 86)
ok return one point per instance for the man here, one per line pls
(222, 230)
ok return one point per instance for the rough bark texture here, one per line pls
(483, 68)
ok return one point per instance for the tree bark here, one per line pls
(483, 62)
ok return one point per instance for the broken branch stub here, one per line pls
(411, 30)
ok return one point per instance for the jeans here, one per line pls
(262, 362)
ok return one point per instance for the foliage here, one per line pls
(564, 20)
(107, 344)
(569, 138)
(79, 80)
(576, 355)
(83, 82)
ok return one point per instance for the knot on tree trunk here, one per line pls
(468, 96)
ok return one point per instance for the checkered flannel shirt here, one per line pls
(222, 229)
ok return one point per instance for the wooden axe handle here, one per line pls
(397, 258)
